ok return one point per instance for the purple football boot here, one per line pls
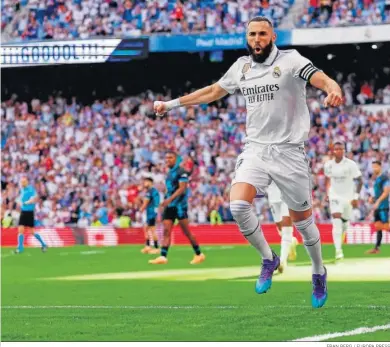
(268, 267)
(320, 290)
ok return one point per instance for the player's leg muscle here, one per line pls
(242, 191)
(21, 229)
(184, 225)
(167, 224)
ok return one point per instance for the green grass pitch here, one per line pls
(113, 294)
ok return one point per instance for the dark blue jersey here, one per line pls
(381, 182)
(176, 175)
(154, 201)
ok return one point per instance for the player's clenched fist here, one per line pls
(159, 108)
(333, 99)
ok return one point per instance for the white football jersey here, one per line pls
(342, 177)
(275, 96)
(274, 193)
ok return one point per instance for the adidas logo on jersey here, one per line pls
(305, 204)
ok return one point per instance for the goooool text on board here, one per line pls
(43, 54)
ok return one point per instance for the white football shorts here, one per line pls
(286, 164)
(339, 205)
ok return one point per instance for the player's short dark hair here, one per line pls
(377, 162)
(338, 143)
(261, 19)
(150, 179)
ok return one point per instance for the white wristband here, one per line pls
(172, 104)
(356, 196)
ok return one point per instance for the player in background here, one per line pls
(273, 83)
(283, 222)
(150, 205)
(341, 174)
(28, 200)
(381, 204)
(175, 207)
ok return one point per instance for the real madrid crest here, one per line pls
(245, 68)
(277, 73)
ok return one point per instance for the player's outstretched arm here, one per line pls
(325, 83)
(201, 96)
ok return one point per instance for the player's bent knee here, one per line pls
(309, 234)
(379, 226)
(243, 191)
(297, 216)
(244, 216)
(286, 222)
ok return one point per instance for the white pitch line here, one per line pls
(186, 307)
(358, 331)
(119, 307)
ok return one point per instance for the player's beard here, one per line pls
(263, 55)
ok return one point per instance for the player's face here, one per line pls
(338, 152)
(260, 40)
(147, 184)
(170, 160)
(376, 169)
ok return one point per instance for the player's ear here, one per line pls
(274, 37)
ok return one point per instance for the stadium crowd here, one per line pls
(87, 161)
(331, 13)
(67, 19)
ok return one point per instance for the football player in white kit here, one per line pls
(282, 219)
(340, 174)
(273, 83)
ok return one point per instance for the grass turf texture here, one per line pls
(182, 307)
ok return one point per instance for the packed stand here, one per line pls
(69, 19)
(87, 162)
(335, 13)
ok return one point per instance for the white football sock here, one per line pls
(345, 226)
(337, 233)
(287, 235)
(312, 242)
(249, 226)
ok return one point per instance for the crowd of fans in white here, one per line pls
(65, 19)
(69, 19)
